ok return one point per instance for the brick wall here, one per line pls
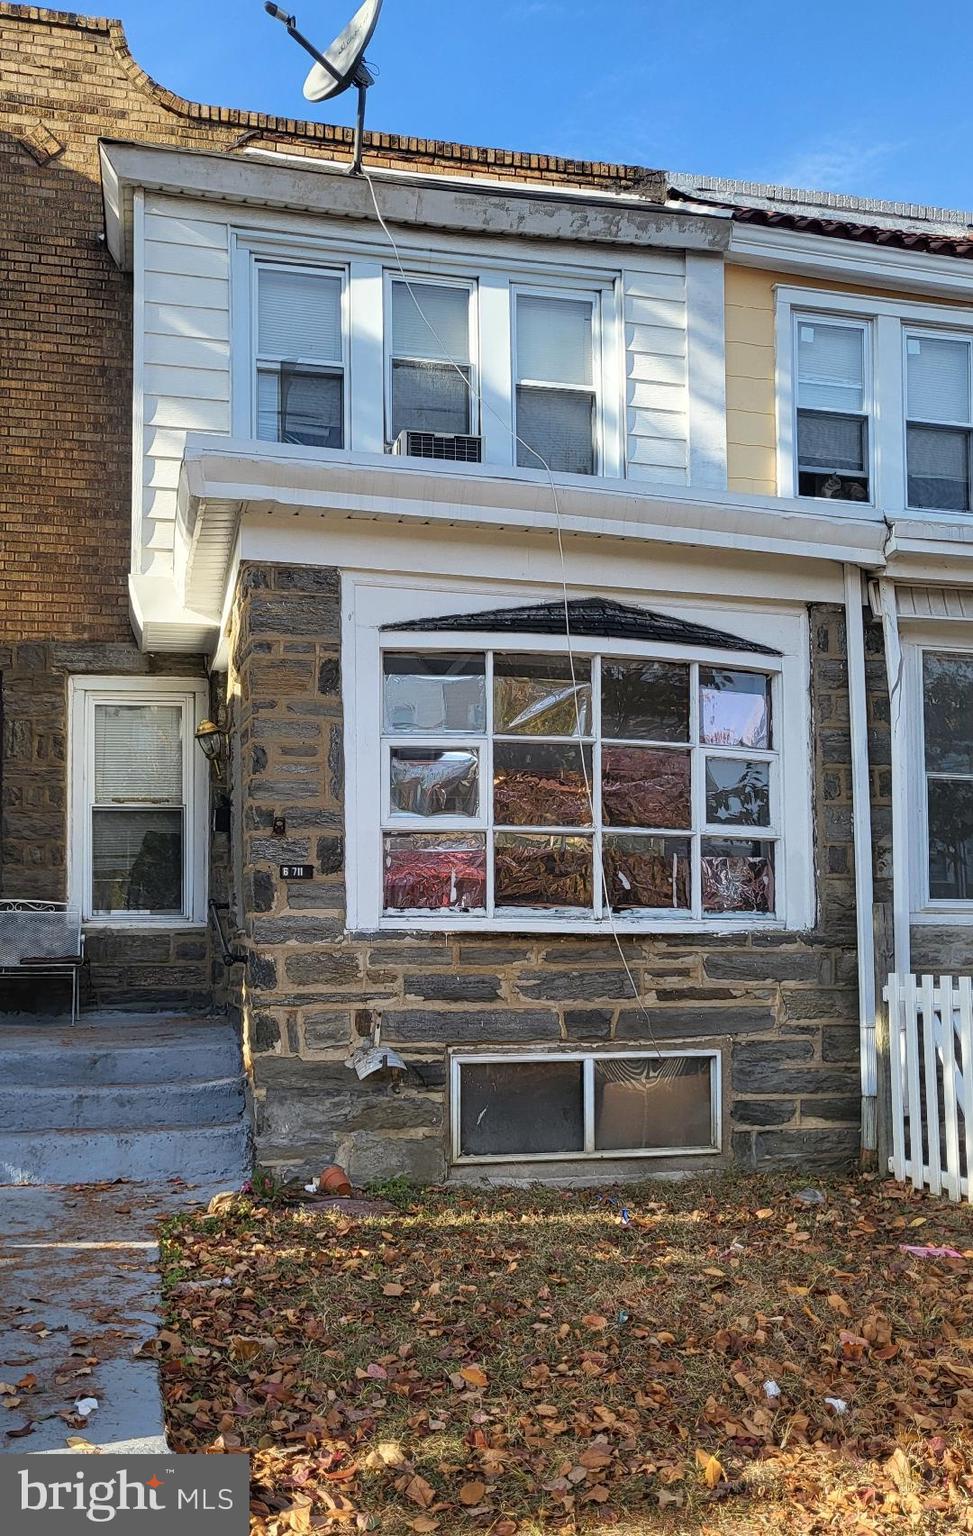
(782, 1008)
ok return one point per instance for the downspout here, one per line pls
(901, 883)
(862, 826)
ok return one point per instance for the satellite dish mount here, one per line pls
(341, 65)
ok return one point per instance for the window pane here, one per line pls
(299, 406)
(425, 695)
(538, 871)
(541, 785)
(831, 366)
(734, 708)
(425, 782)
(651, 872)
(950, 839)
(832, 444)
(737, 876)
(737, 792)
(557, 430)
(522, 1107)
(645, 700)
(299, 315)
(435, 874)
(645, 787)
(938, 378)
(429, 397)
(541, 696)
(138, 754)
(554, 340)
(948, 713)
(445, 330)
(136, 861)
(646, 1102)
(939, 468)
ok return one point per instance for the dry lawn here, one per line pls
(521, 1361)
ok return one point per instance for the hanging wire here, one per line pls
(666, 1064)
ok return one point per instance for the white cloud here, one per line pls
(833, 165)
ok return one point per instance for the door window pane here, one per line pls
(645, 700)
(738, 876)
(939, 468)
(138, 754)
(651, 1103)
(541, 696)
(435, 874)
(521, 1107)
(426, 782)
(538, 871)
(652, 873)
(737, 792)
(556, 428)
(646, 787)
(541, 784)
(137, 861)
(734, 708)
(428, 694)
(948, 713)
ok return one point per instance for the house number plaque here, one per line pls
(297, 871)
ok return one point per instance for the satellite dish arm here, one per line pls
(290, 22)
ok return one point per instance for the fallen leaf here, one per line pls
(595, 1321)
(393, 1290)
(472, 1493)
(473, 1376)
(711, 1469)
(423, 1524)
(25, 1429)
(419, 1491)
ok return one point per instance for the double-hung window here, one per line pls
(521, 785)
(939, 425)
(557, 366)
(138, 802)
(431, 374)
(833, 445)
(947, 687)
(300, 353)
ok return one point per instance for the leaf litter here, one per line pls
(462, 1365)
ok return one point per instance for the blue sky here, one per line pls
(863, 96)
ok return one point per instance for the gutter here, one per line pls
(862, 829)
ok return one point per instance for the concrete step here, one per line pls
(210, 1154)
(118, 1106)
(87, 1058)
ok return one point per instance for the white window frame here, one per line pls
(374, 604)
(440, 280)
(925, 910)
(258, 362)
(192, 697)
(588, 1058)
(922, 333)
(593, 296)
(864, 327)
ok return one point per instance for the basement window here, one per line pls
(566, 1106)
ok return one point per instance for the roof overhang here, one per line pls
(846, 260)
(434, 202)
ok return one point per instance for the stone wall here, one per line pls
(781, 1008)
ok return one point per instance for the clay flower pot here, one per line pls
(334, 1181)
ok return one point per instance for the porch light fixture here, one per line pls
(213, 740)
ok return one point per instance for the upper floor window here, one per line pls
(832, 409)
(431, 383)
(300, 356)
(556, 395)
(939, 421)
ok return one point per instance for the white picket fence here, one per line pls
(931, 1069)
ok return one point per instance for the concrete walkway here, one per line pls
(79, 1294)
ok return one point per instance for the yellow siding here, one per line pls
(751, 419)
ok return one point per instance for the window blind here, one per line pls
(554, 340)
(831, 367)
(558, 424)
(138, 754)
(447, 311)
(938, 379)
(299, 315)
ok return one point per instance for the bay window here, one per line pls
(832, 409)
(939, 427)
(431, 379)
(300, 372)
(556, 395)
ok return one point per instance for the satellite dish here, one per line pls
(340, 65)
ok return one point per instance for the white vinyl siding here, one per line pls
(656, 393)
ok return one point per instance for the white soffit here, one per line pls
(934, 603)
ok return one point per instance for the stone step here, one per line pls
(87, 1058)
(120, 1107)
(211, 1154)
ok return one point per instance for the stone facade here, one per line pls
(781, 1008)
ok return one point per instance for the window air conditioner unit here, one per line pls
(456, 447)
